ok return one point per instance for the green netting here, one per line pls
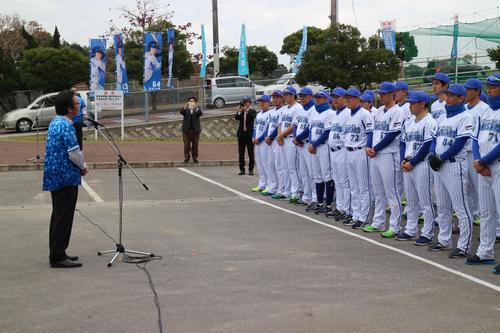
(488, 30)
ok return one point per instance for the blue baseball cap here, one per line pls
(401, 85)
(493, 80)
(443, 77)
(353, 92)
(338, 91)
(306, 91)
(367, 97)
(289, 91)
(473, 84)
(386, 87)
(369, 91)
(265, 98)
(484, 97)
(456, 89)
(418, 96)
(321, 94)
(277, 93)
(247, 99)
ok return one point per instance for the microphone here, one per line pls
(95, 123)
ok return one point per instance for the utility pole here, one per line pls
(334, 12)
(215, 24)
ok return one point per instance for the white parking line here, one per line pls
(366, 239)
(91, 192)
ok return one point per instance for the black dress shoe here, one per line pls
(72, 258)
(250, 173)
(242, 172)
(66, 263)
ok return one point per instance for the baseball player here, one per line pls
(440, 82)
(288, 151)
(385, 172)
(448, 160)
(338, 155)
(318, 147)
(401, 96)
(301, 140)
(261, 148)
(486, 150)
(368, 100)
(277, 176)
(476, 107)
(151, 64)
(97, 69)
(358, 127)
(414, 148)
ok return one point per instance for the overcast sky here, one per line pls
(267, 21)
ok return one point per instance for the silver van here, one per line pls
(227, 90)
(24, 120)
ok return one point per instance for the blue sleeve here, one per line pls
(273, 134)
(475, 150)
(253, 133)
(455, 148)
(302, 136)
(422, 153)
(386, 140)
(263, 136)
(369, 140)
(69, 137)
(402, 150)
(322, 139)
(432, 148)
(493, 155)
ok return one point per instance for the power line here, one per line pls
(275, 17)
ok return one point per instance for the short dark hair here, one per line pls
(190, 98)
(63, 101)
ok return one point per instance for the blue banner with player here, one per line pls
(97, 64)
(152, 60)
(170, 43)
(121, 69)
(302, 49)
(388, 30)
(242, 58)
(203, 70)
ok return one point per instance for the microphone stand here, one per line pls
(120, 248)
(37, 158)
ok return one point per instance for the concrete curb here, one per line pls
(139, 165)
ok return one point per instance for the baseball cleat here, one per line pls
(311, 207)
(358, 225)
(458, 254)
(389, 233)
(370, 228)
(257, 189)
(293, 200)
(496, 270)
(349, 222)
(403, 236)
(333, 213)
(438, 247)
(278, 196)
(266, 193)
(422, 241)
(477, 221)
(323, 210)
(476, 260)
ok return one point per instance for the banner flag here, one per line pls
(170, 43)
(203, 70)
(242, 58)
(97, 54)
(388, 29)
(152, 60)
(121, 69)
(302, 49)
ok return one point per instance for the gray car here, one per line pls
(24, 120)
(227, 90)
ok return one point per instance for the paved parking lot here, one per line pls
(233, 261)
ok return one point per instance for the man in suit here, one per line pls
(246, 117)
(191, 129)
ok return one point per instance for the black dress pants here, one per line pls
(79, 134)
(245, 142)
(61, 221)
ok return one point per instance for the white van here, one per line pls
(227, 90)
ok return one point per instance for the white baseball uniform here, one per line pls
(278, 178)
(320, 160)
(451, 181)
(385, 173)
(476, 111)
(417, 182)
(261, 150)
(357, 127)
(338, 163)
(437, 109)
(488, 138)
(302, 123)
(288, 151)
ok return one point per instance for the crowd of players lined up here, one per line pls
(435, 151)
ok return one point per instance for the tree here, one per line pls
(9, 80)
(406, 49)
(50, 69)
(342, 57)
(494, 55)
(11, 41)
(30, 40)
(56, 39)
(261, 60)
(291, 43)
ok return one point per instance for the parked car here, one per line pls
(227, 90)
(283, 82)
(24, 119)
